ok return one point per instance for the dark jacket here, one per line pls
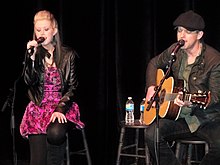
(34, 77)
(204, 76)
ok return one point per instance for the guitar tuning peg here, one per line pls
(185, 90)
(199, 91)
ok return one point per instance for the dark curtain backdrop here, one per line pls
(115, 40)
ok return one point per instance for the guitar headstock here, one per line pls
(201, 98)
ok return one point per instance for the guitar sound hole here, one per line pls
(162, 96)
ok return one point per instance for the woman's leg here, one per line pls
(56, 143)
(38, 149)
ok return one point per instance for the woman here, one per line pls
(50, 75)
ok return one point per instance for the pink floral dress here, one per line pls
(36, 118)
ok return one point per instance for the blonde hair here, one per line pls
(46, 15)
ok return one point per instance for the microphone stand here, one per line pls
(155, 98)
(10, 101)
(13, 123)
(11, 98)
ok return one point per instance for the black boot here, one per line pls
(55, 154)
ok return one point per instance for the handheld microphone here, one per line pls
(39, 41)
(179, 44)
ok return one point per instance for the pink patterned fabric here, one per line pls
(36, 118)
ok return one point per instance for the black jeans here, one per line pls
(169, 130)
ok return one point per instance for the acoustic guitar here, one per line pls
(167, 94)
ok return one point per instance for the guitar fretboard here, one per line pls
(195, 98)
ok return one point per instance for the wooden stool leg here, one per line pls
(206, 148)
(120, 145)
(147, 154)
(86, 147)
(189, 154)
(67, 150)
(136, 145)
(178, 150)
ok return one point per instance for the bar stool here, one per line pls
(191, 145)
(84, 151)
(125, 149)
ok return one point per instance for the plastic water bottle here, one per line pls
(129, 116)
(142, 111)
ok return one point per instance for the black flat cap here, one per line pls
(190, 20)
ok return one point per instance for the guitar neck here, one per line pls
(201, 99)
(172, 96)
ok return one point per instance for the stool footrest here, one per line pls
(137, 149)
(80, 152)
(133, 155)
(129, 146)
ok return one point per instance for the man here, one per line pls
(197, 66)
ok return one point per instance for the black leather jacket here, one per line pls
(204, 76)
(34, 77)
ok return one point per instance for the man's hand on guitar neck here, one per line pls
(179, 100)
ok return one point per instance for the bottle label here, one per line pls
(129, 107)
(142, 108)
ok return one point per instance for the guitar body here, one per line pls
(167, 109)
(167, 94)
(172, 111)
